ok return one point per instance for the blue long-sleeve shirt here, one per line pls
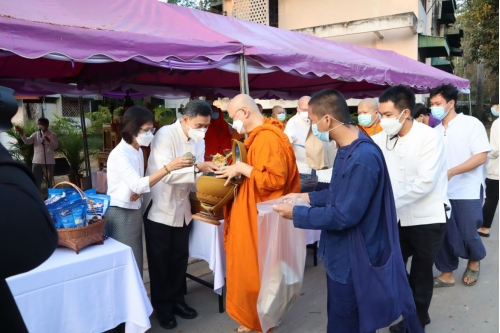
(353, 198)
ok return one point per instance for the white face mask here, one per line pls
(392, 126)
(144, 139)
(304, 115)
(41, 127)
(197, 134)
(238, 125)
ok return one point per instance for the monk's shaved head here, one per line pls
(243, 107)
(242, 101)
(368, 105)
(277, 110)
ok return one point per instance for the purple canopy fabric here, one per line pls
(149, 43)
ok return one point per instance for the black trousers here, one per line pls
(168, 251)
(422, 243)
(490, 202)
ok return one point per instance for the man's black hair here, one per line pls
(419, 110)
(401, 96)
(132, 121)
(44, 121)
(494, 100)
(448, 91)
(197, 107)
(331, 102)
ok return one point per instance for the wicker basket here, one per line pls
(80, 237)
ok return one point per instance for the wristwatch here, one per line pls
(196, 168)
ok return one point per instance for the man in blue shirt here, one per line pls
(354, 198)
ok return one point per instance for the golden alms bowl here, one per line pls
(213, 195)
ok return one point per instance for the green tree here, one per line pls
(204, 5)
(479, 20)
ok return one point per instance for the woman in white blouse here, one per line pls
(126, 180)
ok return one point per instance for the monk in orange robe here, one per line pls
(218, 136)
(270, 172)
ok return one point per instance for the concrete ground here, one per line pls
(460, 309)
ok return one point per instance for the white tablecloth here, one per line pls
(93, 291)
(206, 242)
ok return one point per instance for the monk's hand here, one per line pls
(285, 210)
(134, 197)
(228, 172)
(208, 167)
(291, 197)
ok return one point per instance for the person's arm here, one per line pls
(289, 131)
(494, 140)
(479, 147)
(54, 142)
(352, 199)
(431, 165)
(28, 140)
(162, 152)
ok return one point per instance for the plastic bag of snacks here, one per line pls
(99, 202)
(70, 214)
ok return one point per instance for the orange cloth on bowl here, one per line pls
(218, 136)
(275, 174)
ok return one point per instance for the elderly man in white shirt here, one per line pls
(414, 154)
(466, 148)
(45, 143)
(168, 216)
(296, 129)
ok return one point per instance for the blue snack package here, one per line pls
(59, 191)
(91, 191)
(100, 202)
(71, 214)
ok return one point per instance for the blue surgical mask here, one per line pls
(323, 136)
(439, 111)
(365, 119)
(281, 117)
(494, 111)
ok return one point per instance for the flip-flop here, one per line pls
(482, 234)
(471, 274)
(440, 284)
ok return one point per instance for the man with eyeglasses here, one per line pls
(415, 157)
(296, 129)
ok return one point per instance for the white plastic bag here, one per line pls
(282, 257)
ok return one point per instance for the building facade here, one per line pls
(419, 29)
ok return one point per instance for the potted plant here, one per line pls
(18, 149)
(71, 147)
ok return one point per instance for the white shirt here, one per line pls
(125, 174)
(492, 166)
(325, 175)
(296, 129)
(170, 196)
(464, 138)
(419, 174)
(36, 139)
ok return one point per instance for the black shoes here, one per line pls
(184, 311)
(168, 321)
(398, 328)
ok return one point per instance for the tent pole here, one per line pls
(84, 135)
(470, 106)
(244, 89)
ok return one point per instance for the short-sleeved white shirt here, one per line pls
(464, 138)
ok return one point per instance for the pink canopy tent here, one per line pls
(97, 43)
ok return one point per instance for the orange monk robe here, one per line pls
(218, 136)
(373, 129)
(275, 174)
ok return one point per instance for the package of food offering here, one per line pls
(100, 203)
(70, 214)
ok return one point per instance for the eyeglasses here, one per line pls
(149, 130)
(301, 110)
